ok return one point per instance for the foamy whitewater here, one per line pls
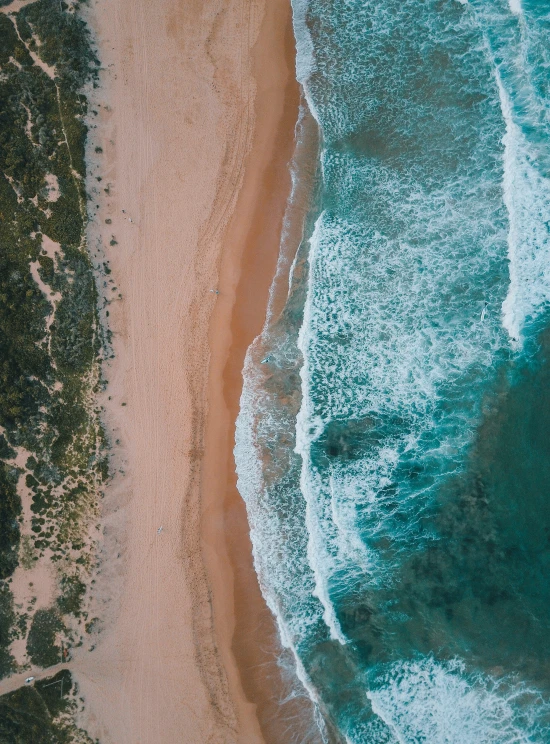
(393, 444)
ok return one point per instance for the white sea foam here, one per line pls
(310, 426)
(405, 332)
(512, 319)
(391, 339)
(519, 55)
(527, 198)
(304, 44)
(305, 53)
(396, 356)
(275, 562)
(286, 262)
(281, 567)
(440, 703)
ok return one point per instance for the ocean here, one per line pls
(393, 443)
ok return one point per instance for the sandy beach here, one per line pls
(194, 129)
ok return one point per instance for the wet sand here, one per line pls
(247, 271)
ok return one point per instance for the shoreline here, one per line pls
(196, 114)
(252, 645)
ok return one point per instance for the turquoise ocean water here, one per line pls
(393, 445)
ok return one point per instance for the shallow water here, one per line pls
(393, 449)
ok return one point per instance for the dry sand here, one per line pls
(196, 113)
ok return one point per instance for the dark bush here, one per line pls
(54, 691)
(73, 591)
(41, 643)
(10, 509)
(7, 619)
(24, 719)
(8, 38)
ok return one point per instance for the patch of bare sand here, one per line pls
(15, 6)
(33, 582)
(192, 100)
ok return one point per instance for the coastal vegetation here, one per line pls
(42, 714)
(52, 449)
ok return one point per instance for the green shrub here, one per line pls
(39, 117)
(7, 619)
(54, 691)
(65, 41)
(10, 509)
(47, 269)
(73, 344)
(30, 715)
(73, 591)
(65, 224)
(8, 38)
(6, 452)
(24, 719)
(41, 643)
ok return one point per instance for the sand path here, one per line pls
(176, 123)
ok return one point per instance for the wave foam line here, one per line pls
(307, 427)
(526, 194)
(442, 703)
(251, 486)
(265, 528)
(510, 319)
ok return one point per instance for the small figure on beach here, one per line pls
(159, 530)
(215, 291)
